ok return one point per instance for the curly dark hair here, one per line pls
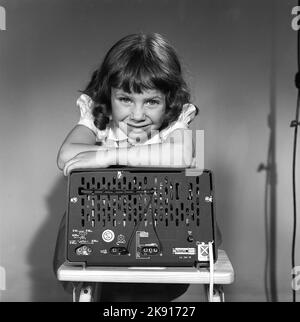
(136, 63)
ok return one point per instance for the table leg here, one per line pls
(218, 293)
(86, 292)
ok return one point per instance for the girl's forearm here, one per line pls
(153, 155)
(71, 150)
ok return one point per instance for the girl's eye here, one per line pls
(152, 102)
(125, 100)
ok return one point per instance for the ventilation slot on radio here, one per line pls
(110, 201)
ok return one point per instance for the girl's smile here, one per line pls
(138, 115)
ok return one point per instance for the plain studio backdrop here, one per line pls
(239, 58)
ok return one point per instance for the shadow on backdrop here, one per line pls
(44, 285)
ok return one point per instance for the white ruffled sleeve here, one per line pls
(85, 104)
(186, 116)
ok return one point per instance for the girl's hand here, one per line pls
(88, 159)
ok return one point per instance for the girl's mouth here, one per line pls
(136, 126)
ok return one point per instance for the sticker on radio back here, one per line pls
(184, 251)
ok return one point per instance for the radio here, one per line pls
(121, 216)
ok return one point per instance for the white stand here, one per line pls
(223, 273)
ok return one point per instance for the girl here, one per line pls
(137, 106)
(135, 111)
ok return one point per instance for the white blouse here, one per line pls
(113, 137)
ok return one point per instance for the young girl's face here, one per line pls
(138, 115)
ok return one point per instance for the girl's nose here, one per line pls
(138, 113)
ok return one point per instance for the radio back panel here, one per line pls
(139, 217)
